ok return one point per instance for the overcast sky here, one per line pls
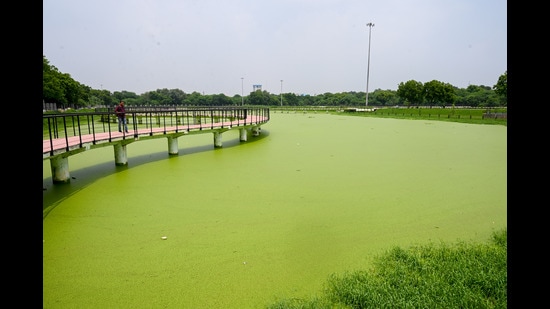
(314, 46)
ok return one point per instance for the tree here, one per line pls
(384, 98)
(124, 95)
(412, 92)
(52, 88)
(221, 100)
(61, 88)
(196, 99)
(259, 97)
(73, 91)
(290, 99)
(501, 87)
(439, 93)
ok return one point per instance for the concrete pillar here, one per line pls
(172, 145)
(242, 134)
(256, 130)
(120, 154)
(60, 170)
(217, 139)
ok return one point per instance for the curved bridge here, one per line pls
(68, 134)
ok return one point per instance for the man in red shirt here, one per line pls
(121, 115)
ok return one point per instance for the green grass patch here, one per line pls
(460, 275)
(462, 115)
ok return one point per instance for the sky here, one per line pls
(289, 46)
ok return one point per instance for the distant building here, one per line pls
(257, 87)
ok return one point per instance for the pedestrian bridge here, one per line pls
(67, 134)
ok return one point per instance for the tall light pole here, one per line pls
(242, 91)
(370, 25)
(281, 92)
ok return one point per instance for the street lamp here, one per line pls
(281, 92)
(242, 91)
(370, 25)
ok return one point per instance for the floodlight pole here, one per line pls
(370, 25)
(281, 92)
(242, 91)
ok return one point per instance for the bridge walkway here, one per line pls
(82, 136)
(51, 147)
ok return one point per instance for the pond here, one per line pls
(246, 224)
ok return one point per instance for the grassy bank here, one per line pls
(462, 115)
(492, 116)
(461, 275)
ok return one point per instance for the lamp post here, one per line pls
(370, 25)
(281, 92)
(242, 91)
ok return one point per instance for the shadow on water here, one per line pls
(54, 194)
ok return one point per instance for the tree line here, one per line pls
(61, 89)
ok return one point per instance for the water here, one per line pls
(269, 218)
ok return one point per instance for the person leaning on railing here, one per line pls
(121, 115)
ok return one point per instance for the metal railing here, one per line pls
(65, 131)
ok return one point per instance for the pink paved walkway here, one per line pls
(74, 141)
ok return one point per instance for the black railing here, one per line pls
(64, 131)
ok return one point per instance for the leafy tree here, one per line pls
(61, 88)
(477, 96)
(259, 97)
(73, 91)
(325, 99)
(158, 97)
(238, 100)
(308, 100)
(342, 99)
(177, 96)
(290, 99)
(195, 98)
(469, 97)
(412, 92)
(221, 100)
(52, 88)
(124, 95)
(384, 98)
(438, 93)
(501, 87)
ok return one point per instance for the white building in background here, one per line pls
(256, 87)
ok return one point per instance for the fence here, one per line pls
(93, 127)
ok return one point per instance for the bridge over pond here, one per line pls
(67, 134)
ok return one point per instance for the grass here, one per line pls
(461, 275)
(462, 115)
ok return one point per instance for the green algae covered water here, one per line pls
(269, 218)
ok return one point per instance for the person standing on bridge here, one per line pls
(121, 115)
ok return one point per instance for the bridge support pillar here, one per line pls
(172, 145)
(120, 154)
(256, 130)
(60, 170)
(217, 139)
(242, 134)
